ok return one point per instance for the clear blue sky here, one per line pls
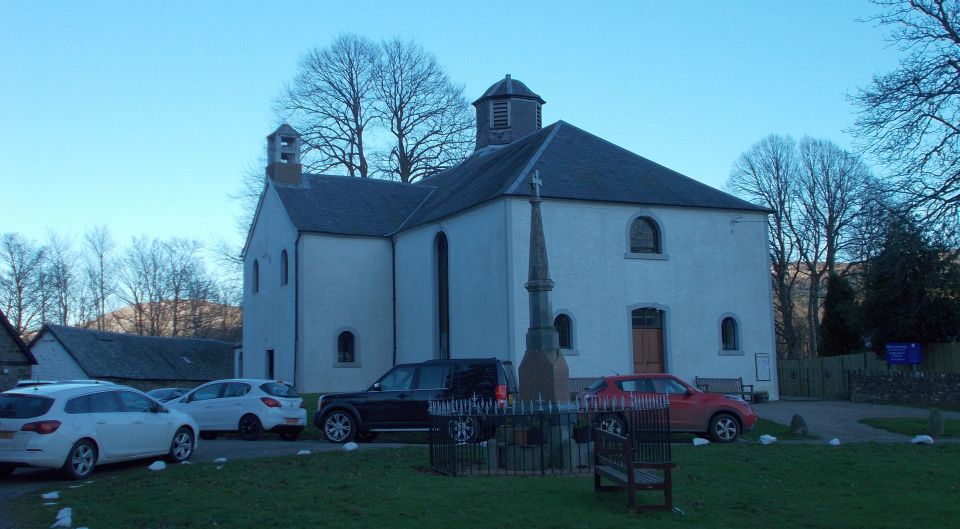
(142, 115)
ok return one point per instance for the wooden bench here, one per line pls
(726, 386)
(615, 459)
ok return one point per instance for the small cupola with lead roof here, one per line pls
(506, 112)
(283, 155)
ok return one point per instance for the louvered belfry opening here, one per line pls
(507, 112)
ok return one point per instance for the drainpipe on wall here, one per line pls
(393, 271)
(296, 313)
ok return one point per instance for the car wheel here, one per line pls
(724, 428)
(250, 428)
(611, 423)
(181, 448)
(339, 426)
(6, 470)
(80, 460)
(462, 430)
(289, 436)
(366, 437)
(208, 436)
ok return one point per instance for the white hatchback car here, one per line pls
(74, 427)
(248, 406)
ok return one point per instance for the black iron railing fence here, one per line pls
(476, 437)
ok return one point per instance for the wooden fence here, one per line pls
(829, 376)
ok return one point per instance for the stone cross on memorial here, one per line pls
(543, 370)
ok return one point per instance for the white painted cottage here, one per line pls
(654, 271)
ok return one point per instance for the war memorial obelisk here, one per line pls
(543, 371)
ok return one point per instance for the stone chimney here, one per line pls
(506, 112)
(283, 155)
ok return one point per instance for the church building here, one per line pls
(345, 277)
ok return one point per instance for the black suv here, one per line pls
(398, 400)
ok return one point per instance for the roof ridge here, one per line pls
(533, 159)
(368, 179)
(55, 326)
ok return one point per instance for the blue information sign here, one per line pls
(903, 353)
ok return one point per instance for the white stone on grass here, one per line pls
(835, 441)
(922, 440)
(63, 522)
(700, 441)
(767, 439)
(349, 447)
(65, 512)
(55, 495)
(50, 503)
(184, 462)
(220, 460)
(157, 465)
(303, 453)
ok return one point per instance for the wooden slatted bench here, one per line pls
(726, 386)
(615, 460)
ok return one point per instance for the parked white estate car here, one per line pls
(74, 427)
(248, 406)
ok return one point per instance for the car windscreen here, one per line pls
(275, 389)
(23, 406)
(597, 384)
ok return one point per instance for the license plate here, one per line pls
(291, 421)
(6, 435)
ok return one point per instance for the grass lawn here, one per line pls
(911, 425)
(740, 485)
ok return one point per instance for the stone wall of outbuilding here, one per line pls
(896, 387)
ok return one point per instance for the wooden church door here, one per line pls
(647, 341)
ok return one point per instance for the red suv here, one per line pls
(722, 417)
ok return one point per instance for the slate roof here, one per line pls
(509, 87)
(573, 164)
(7, 327)
(348, 205)
(115, 355)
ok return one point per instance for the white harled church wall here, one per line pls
(479, 312)
(268, 315)
(715, 264)
(349, 289)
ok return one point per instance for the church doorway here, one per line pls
(647, 340)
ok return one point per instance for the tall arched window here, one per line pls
(565, 330)
(256, 276)
(644, 236)
(728, 332)
(283, 268)
(345, 348)
(443, 297)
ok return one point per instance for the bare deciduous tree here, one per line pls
(21, 262)
(330, 102)
(829, 200)
(99, 270)
(427, 115)
(819, 195)
(910, 118)
(766, 175)
(60, 267)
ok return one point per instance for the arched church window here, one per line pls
(284, 274)
(256, 276)
(728, 331)
(346, 348)
(644, 236)
(443, 297)
(564, 330)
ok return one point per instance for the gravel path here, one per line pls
(830, 419)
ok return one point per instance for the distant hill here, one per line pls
(194, 319)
